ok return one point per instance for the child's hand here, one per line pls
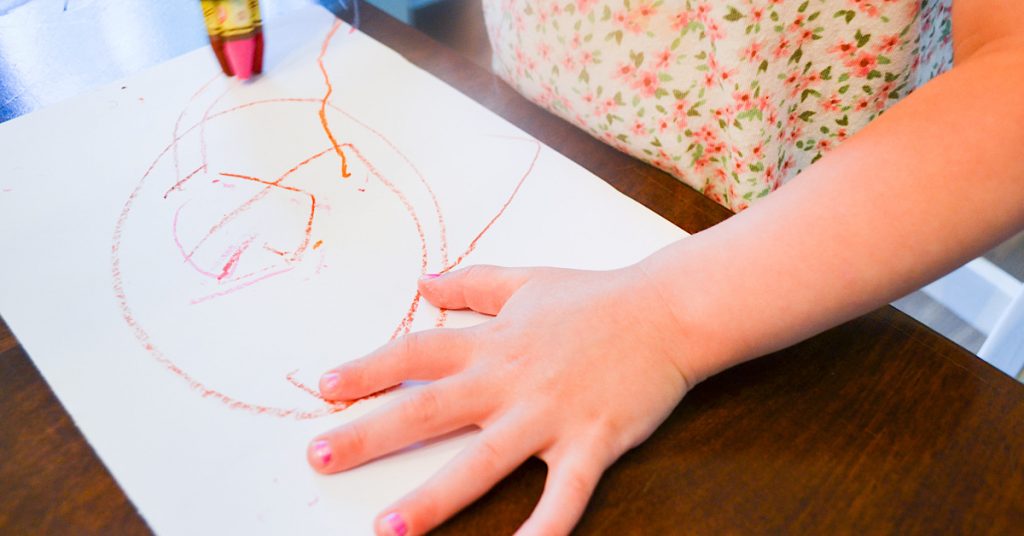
(576, 368)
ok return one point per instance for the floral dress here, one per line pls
(733, 97)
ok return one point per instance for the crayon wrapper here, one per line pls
(232, 19)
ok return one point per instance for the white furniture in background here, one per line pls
(991, 301)
(1004, 347)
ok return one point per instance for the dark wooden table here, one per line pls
(878, 426)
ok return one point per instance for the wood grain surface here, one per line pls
(879, 425)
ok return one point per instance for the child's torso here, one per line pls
(732, 98)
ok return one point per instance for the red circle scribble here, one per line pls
(227, 273)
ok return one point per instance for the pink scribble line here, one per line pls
(297, 254)
(248, 204)
(232, 264)
(229, 268)
(177, 126)
(181, 248)
(255, 198)
(320, 265)
(251, 274)
(223, 293)
(232, 254)
(178, 185)
(202, 126)
(143, 336)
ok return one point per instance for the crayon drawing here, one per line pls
(185, 254)
(238, 230)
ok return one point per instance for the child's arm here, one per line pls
(578, 367)
(930, 184)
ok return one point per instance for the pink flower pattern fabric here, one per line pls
(731, 97)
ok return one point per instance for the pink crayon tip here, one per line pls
(240, 54)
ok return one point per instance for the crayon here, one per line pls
(236, 35)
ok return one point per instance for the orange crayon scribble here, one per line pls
(302, 386)
(337, 405)
(232, 258)
(423, 180)
(405, 202)
(262, 193)
(312, 207)
(442, 318)
(501, 211)
(327, 96)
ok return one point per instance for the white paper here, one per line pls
(168, 320)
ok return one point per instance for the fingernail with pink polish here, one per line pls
(322, 452)
(396, 524)
(329, 381)
(428, 277)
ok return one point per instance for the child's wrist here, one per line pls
(706, 341)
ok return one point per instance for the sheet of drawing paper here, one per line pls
(184, 254)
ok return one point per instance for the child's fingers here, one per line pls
(497, 451)
(570, 483)
(424, 355)
(482, 288)
(425, 412)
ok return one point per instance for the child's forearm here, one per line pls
(931, 183)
